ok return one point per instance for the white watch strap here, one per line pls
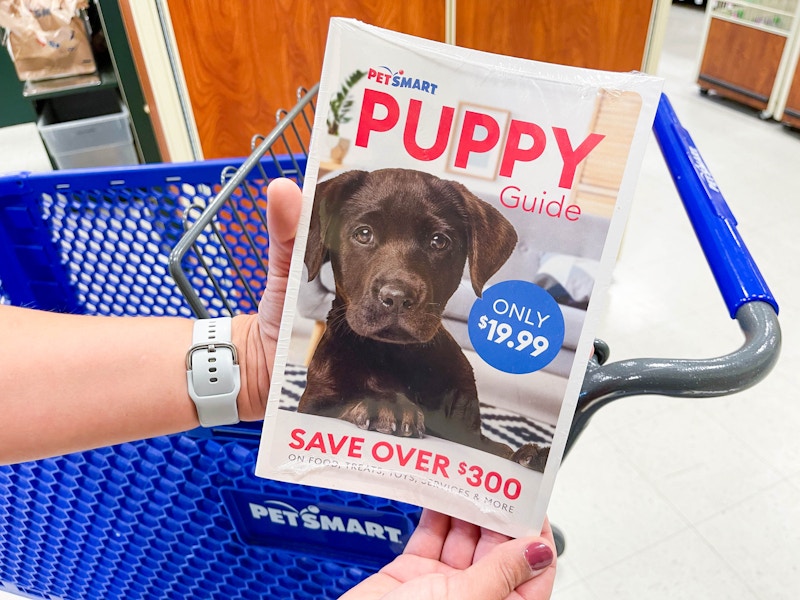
(212, 372)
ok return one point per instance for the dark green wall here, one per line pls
(129, 79)
(14, 109)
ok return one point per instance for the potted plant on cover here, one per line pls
(338, 114)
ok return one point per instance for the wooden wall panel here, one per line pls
(245, 60)
(599, 34)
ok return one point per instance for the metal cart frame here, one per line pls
(739, 280)
(743, 288)
(162, 517)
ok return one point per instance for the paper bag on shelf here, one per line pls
(47, 39)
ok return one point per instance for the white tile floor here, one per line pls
(673, 499)
(666, 498)
(22, 149)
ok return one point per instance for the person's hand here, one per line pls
(256, 336)
(449, 559)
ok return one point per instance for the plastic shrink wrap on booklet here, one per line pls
(462, 214)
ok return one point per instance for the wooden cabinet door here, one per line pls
(791, 114)
(741, 62)
(598, 34)
(244, 60)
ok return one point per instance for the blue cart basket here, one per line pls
(183, 516)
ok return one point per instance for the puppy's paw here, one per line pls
(532, 456)
(393, 415)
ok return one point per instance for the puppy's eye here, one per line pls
(363, 235)
(440, 241)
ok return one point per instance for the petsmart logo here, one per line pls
(385, 75)
(314, 519)
(354, 533)
(702, 169)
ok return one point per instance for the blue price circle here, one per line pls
(516, 327)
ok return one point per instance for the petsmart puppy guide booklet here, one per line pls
(462, 214)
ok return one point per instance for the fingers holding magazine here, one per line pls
(449, 558)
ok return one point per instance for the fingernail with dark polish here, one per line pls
(539, 556)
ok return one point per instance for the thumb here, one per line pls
(509, 566)
(283, 213)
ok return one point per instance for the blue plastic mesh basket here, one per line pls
(180, 516)
(97, 242)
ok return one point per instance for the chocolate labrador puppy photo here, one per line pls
(398, 241)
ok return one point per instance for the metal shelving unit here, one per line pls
(747, 51)
(775, 16)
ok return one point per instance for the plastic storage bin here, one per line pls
(87, 131)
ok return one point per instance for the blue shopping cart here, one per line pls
(183, 515)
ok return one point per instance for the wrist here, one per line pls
(252, 399)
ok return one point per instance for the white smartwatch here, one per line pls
(212, 372)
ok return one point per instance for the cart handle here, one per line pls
(744, 290)
(737, 275)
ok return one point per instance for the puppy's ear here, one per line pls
(492, 239)
(328, 198)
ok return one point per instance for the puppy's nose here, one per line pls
(395, 297)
